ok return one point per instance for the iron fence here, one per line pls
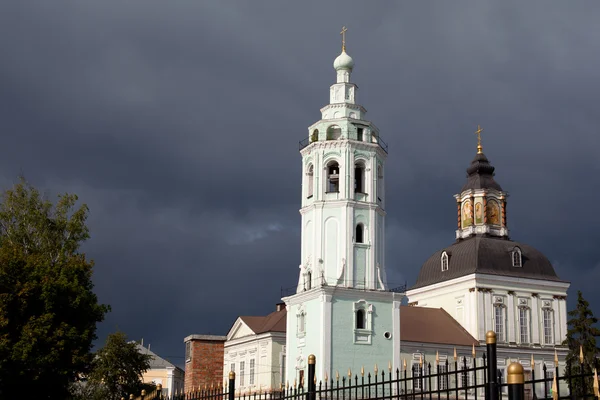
(442, 380)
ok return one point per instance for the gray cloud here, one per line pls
(178, 124)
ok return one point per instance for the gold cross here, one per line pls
(478, 133)
(343, 33)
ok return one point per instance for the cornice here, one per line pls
(343, 144)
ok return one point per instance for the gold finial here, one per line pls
(420, 359)
(581, 354)
(315, 379)
(349, 373)
(343, 33)
(515, 374)
(294, 383)
(478, 133)
(131, 396)
(337, 375)
(404, 364)
(555, 358)
(389, 366)
(437, 357)
(287, 385)
(231, 375)
(532, 362)
(596, 386)
(362, 371)
(455, 357)
(376, 369)
(159, 387)
(473, 351)
(490, 337)
(311, 359)
(554, 389)
(326, 376)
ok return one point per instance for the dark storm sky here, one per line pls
(178, 124)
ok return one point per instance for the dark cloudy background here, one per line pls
(178, 123)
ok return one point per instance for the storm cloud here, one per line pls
(178, 124)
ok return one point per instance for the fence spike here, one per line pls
(389, 366)
(420, 359)
(375, 369)
(337, 375)
(362, 371)
(596, 386)
(554, 389)
(287, 385)
(294, 383)
(326, 376)
(473, 352)
(131, 396)
(455, 357)
(555, 358)
(349, 373)
(437, 357)
(580, 354)
(532, 361)
(404, 363)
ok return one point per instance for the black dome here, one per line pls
(480, 174)
(485, 255)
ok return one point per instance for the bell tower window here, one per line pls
(310, 182)
(333, 177)
(334, 132)
(359, 178)
(359, 134)
(359, 234)
(516, 257)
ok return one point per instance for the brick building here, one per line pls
(203, 361)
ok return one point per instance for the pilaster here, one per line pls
(535, 320)
(510, 316)
(325, 363)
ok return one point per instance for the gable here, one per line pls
(239, 329)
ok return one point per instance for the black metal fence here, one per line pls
(441, 381)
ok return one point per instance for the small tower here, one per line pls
(343, 311)
(481, 203)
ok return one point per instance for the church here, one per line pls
(343, 310)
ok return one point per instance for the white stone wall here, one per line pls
(266, 351)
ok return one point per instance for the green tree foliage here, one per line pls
(118, 367)
(48, 310)
(581, 338)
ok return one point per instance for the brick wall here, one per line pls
(206, 364)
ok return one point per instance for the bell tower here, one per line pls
(342, 309)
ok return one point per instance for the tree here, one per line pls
(48, 310)
(118, 367)
(581, 338)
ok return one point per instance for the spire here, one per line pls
(343, 64)
(480, 174)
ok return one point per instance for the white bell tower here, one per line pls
(342, 310)
(343, 196)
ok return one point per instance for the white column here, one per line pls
(488, 315)
(347, 222)
(480, 316)
(535, 320)
(324, 364)
(371, 259)
(510, 319)
(562, 306)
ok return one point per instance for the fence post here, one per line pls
(312, 386)
(231, 391)
(159, 391)
(516, 382)
(492, 367)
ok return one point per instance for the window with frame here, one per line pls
(310, 182)
(188, 351)
(444, 261)
(443, 377)
(547, 317)
(516, 257)
(252, 371)
(417, 370)
(359, 178)
(242, 368)
(359, 233)
(499, 322)
(524, 325)
(360, 319)
(333, 177)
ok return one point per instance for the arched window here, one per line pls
(359, 178)
(334, 132)
(310, 182)
(333, 177)
(314, 136)
(360, 319)
(444, 261)
(516, 257)
(359, 234)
